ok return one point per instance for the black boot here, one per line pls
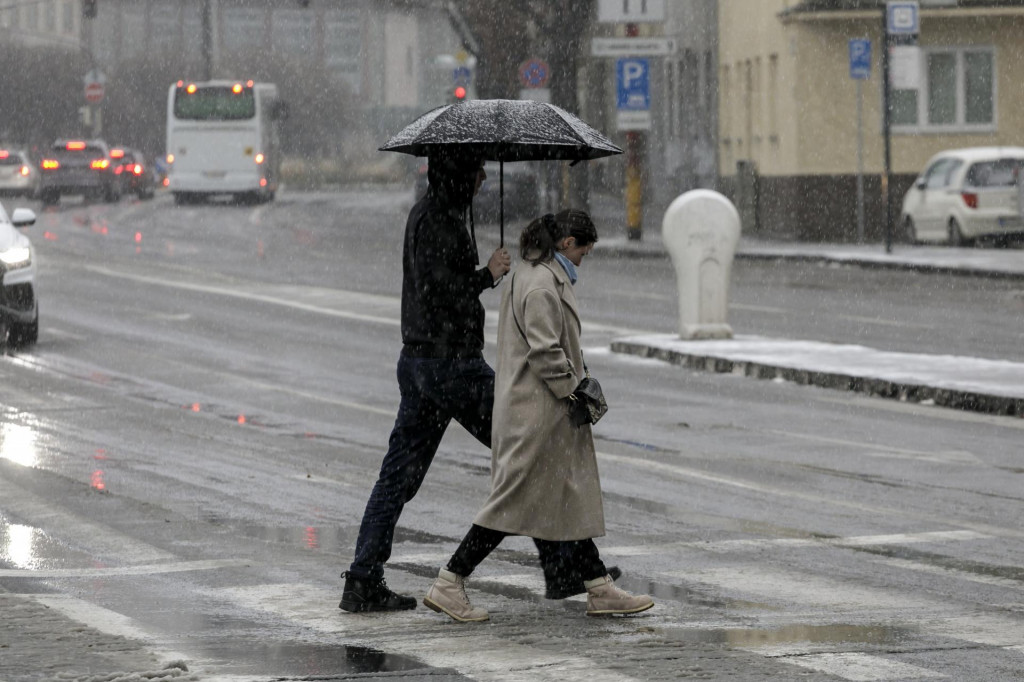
(368, 594)
(571, 585)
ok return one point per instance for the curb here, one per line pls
(625, 251)
(967, 401)
(871, 264)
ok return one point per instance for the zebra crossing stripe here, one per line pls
(862, 667)
(422, 635)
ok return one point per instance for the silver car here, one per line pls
(19, 311)
(18, 175)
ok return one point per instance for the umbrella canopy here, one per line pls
(502, 130)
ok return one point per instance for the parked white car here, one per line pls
(964, 194)
(19, 311)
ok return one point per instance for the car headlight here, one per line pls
(16, 257)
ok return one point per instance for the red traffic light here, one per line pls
(460, 92)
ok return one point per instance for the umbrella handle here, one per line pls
(501, 203)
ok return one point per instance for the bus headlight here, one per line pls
(16, 257)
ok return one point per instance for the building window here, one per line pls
(51, 16)
(957, 92)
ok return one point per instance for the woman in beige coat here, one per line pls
(544, 478)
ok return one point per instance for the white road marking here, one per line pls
(103, 541)
(793, 494)
(258, 297)
(763, 543)
(106, 621)
(878, 449)
(117, 571)
(796, 590)
(862, 667)
(908, 565)
(423, 635)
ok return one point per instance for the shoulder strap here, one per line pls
(512, 303)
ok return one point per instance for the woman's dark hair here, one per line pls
(577, 224)
(543, 235)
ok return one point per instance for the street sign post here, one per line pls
(633, 98)
(860, 70)
(901, 25)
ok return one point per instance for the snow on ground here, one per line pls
(976, 375)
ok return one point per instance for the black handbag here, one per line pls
(586, 403)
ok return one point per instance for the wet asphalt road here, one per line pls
(185, 455)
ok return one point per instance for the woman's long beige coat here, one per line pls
(544, 479)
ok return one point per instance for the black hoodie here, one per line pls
(442, 316)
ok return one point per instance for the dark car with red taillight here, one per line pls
(136, 173)
(78, 167)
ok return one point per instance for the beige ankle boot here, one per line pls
(448, 595)
(605, 599)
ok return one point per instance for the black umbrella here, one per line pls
(503, 130)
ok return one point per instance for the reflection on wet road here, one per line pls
(185, 457)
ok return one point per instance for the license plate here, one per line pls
(215, 174)
(1010, 221)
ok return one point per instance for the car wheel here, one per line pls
(111, 194)
(22, 335)
(909, 231)
(956, 234)
(49, 197)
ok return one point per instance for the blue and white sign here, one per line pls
(634, 84)
(462, 75)
(903, 17)
(860, 59)
(633, 94)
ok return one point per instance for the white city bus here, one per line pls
(223, 138)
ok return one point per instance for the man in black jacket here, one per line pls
(442, 374)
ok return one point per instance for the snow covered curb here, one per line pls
(974, 384)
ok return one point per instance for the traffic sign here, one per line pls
(860, 59)
(534, 73)
(903, 17)
(634, 84)
(93, 92)
(462, 75)
(630, 11)
(634, 94)
(632, 47)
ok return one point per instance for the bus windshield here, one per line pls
(214, 103)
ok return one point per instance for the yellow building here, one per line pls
(788, 132)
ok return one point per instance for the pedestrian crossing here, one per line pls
(798, 608)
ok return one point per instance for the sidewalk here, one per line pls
(966, 383)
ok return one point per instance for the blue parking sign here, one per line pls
(634, 84)
(860, 59)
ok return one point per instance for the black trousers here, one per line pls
(569, 561)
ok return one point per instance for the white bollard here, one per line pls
(701, 230)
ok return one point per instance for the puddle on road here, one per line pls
(294, 659)
(31, 549)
